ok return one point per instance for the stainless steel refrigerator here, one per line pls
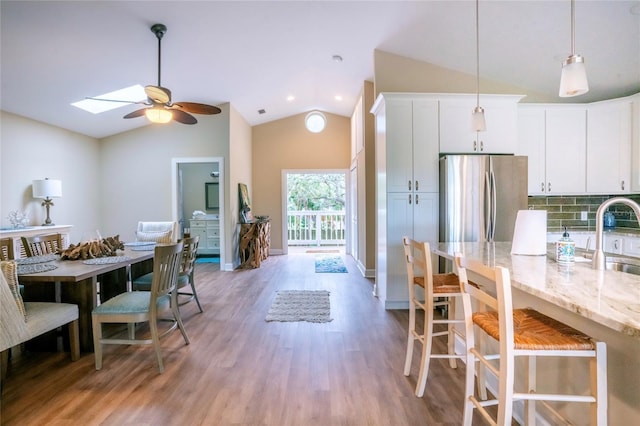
(480, 196)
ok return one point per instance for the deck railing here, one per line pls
(316, 228)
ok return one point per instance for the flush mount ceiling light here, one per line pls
(315, 121)
(573, 81)
(478, 123)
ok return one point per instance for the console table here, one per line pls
(30, 231)
(255, 240)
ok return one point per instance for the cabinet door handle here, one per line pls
(409, 198)
(475, 145)
(418, 189)
(409, 185)
(481, 146)
(417, 199)
(549, 187)
(542, 186)
(622, 185)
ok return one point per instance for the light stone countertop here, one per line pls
(609, 298)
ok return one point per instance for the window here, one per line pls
(315, 121)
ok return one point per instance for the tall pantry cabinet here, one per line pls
(406, 184)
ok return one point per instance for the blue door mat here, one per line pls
(208, 260)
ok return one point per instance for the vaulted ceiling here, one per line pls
(256, 54)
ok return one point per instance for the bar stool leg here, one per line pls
(530, 405)
(426, 349)
(410, 338)
(451, 314)
(598, 370)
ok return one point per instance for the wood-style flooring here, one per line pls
(241, 370)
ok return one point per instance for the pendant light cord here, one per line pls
(478, 56)
(573, 31)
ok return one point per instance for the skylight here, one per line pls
(128, 94)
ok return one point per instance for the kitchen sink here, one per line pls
(623, 265)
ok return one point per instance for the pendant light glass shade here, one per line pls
(478, 123)
(573, 80)
(477, 120)
(158, 115)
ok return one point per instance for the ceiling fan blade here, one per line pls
(158, 94)
(137, 113)
(183, 117)
(197, 108)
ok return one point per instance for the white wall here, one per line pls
(136, 175)
(33, 150)
(239, 171)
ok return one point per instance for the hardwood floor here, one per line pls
(241, 370)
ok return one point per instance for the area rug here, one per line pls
(330, 264)
(300, 305)
(208, 260)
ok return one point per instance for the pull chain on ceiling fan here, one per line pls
(161, 110)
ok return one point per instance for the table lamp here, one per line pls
(47, 189)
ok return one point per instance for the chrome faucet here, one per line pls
(599, 259)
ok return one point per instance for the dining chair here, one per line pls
(185, 276)
(522, 333)
(159, 232)
(6, 249)
(436, 290)
(39, 245)
(144, 306)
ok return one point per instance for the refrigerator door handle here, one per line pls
(487, 207)
(494, 208)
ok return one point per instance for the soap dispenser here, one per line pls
(609, 220)
(565, 248)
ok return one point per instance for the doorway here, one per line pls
(191, 192)
(315, 210)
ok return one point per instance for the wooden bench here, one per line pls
(42, 317)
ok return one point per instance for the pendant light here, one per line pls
(573, 81)
(477, 117)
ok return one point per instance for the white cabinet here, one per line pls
(500, 113)
(609, 147)
(635, 144)
(531, 143)
(209, 233)
(406, 183)
(357, 132)
(412, 145)
(554, 139)
(613, 243)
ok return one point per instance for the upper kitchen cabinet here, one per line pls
(357, 130)
(609, 147)
(635, 144)
(554, 139)
(407, 142)
(500, 113)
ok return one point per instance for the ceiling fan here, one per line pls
(160, 108)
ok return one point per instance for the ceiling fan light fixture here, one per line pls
(573, 80)
(158, 115)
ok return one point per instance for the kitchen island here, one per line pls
(603, 304)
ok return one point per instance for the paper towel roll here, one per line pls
(530, 233)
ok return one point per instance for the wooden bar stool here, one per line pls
(439, 290)
(522, 333)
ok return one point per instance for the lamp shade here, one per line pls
(47, 188)
(158, 115)
(573, 81)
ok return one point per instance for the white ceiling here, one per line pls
(255, 54)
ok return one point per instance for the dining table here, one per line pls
(85, 283)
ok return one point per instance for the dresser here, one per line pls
(30, 231)
(209, 232)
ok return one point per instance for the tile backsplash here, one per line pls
(567, 211)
